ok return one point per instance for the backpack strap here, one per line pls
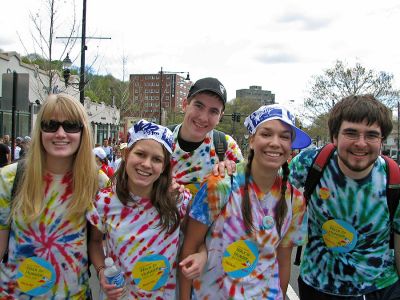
(17, 179)
(220, 144)
(313, 178)
(317, 168)
(219, 141)
(392, 192)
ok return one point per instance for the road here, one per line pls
(292, 293)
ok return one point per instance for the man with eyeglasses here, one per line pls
(348, 254)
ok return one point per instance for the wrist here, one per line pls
(99, 269)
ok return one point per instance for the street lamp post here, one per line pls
(161, 88)
(67, 63)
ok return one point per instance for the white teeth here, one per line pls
(60, 143)
(273, 154)
(143, 173)
(198, 125)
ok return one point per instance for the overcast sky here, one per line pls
(278, 45)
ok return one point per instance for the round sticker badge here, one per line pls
(151, 272)
(268, 222)
(35, 276)
(324, 193)
(240, 258)
(339, 236)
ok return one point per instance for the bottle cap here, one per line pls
(109, 261)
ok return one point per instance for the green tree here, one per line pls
(234, 128)
(318, 130)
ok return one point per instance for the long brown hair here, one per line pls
(161, 197)
(280, 208)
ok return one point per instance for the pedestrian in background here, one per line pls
(5, 155)
(348, 254)
(107, 149)
(47, 249)
(102, 161)
(118, 156)
(141, 217)
(251, 220)
(24, 147)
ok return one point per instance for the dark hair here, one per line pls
(103, 160)
(357, 109)
(208, 93)
(281, 207)
(161, 197)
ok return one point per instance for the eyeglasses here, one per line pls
(370, 137)
(68, 126)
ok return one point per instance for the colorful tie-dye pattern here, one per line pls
(55, 238)
(190, 168)
(362, 204)
(132, 233)
(218, 205)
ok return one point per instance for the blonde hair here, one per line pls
(29, 197)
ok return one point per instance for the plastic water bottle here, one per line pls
(113, 274)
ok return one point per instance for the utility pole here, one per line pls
(83, 49)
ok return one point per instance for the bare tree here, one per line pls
(124, 102)
(46, 24)
(341, 81)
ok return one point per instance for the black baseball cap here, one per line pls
(208, 84)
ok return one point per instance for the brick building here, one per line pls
(145, 91)
(256, 93)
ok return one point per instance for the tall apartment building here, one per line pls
(145, 91)
(256, 92)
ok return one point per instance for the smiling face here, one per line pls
(144, 164)
(202, 115)
(272, 144)
(60, 146)
(357, 156)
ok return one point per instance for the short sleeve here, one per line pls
(7, 176)
(96, 211)
(296, 234)
(233, 151)
(396, 219)
(199, 209)
(183, 202)
(299, 167)
(210, 199)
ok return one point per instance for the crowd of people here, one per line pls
(185, 216)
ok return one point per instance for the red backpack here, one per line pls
(317, 169)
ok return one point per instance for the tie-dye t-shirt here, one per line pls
(190, 168)
(348, 250)
(243, 265)
(54, 247)
(137, 245)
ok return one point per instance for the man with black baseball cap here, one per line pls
(195, 154)
(208, 84)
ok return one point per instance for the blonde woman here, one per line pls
(47, 251)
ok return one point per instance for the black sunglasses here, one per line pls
(68, 126)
